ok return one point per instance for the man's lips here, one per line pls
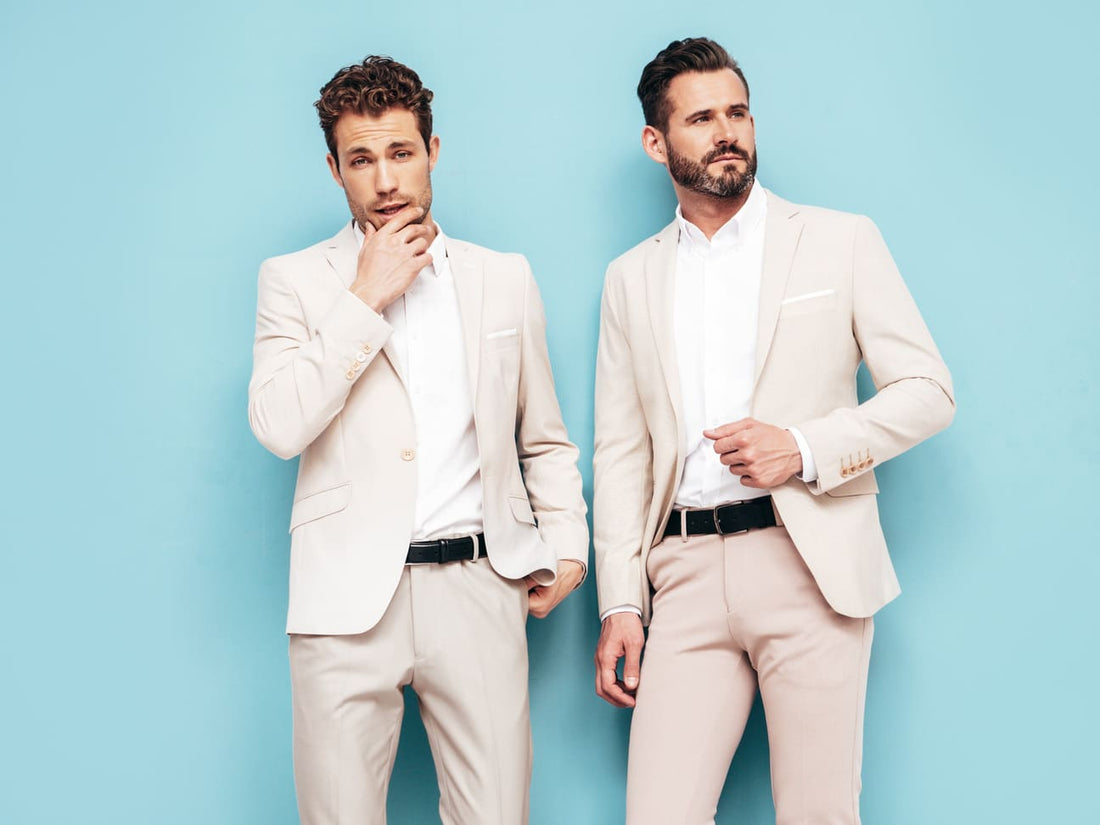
(721, 158)
(390, 210)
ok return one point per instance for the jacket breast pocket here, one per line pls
(501, 359)
(321, 504)
(808, 303)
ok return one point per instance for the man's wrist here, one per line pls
(622, 608)
(808, 472)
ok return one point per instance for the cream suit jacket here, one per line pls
(830, 296)
(325, 385)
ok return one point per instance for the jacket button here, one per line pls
(408, 455)
(350, 375)
(360, 357)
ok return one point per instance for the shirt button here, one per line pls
(408, 455)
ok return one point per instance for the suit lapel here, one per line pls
(782, 230)
(469, 278)
(342, 253)
(660, 280)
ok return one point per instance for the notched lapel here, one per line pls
(469, 276)
(660, 280)
(782, 231)
(342, 253)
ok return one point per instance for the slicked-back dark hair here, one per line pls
(370, 88)
(693, 54)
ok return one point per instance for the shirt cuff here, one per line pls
(809, 468)
(622, 608)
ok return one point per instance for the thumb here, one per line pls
(631, 669)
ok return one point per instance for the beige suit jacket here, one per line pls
(324, 385)
(830, 297)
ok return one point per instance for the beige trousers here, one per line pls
(454, 632)
(731, 614)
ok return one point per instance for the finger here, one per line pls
(736, 458)
(538, 602)
(530, 582)
(413, 232)
(418, 246)
(632, 665)
(417, 263)
(401, 220)
(611, 690)
(729, 429)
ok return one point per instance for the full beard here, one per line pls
(693, 175)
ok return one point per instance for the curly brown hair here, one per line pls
(370, 88)
(693, 54)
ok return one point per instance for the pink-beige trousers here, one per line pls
(733, 615)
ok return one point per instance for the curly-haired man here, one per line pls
(438, 498)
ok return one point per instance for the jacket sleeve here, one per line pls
(547, 456)
(301, 375)
(914, 398)
(622, 462)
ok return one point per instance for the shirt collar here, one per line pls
(734, 230)
(438, 249)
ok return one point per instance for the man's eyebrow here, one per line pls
(404, 143)
(696, 114)
(741, 107)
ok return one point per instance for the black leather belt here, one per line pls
(440, 551)
(724, 520)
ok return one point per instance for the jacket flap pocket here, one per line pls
(317, 505)
(521, 509)
(861, 485)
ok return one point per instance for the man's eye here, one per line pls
(359, 162)
(702, 119)
(403, 155)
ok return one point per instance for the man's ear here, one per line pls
(433, 152)
(654, 144)
(335, 169)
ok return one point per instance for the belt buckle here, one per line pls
(476, 542)
(443, 545)
(718, 520)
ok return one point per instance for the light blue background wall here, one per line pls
(154, 153)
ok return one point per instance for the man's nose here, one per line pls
(385, 181)
(725, 132)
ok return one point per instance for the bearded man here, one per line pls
(734, 505)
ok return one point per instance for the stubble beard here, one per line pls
(693, 175)
(364, 212)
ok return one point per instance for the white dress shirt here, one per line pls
(715, 319)
(716, 316)
(427, 336)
